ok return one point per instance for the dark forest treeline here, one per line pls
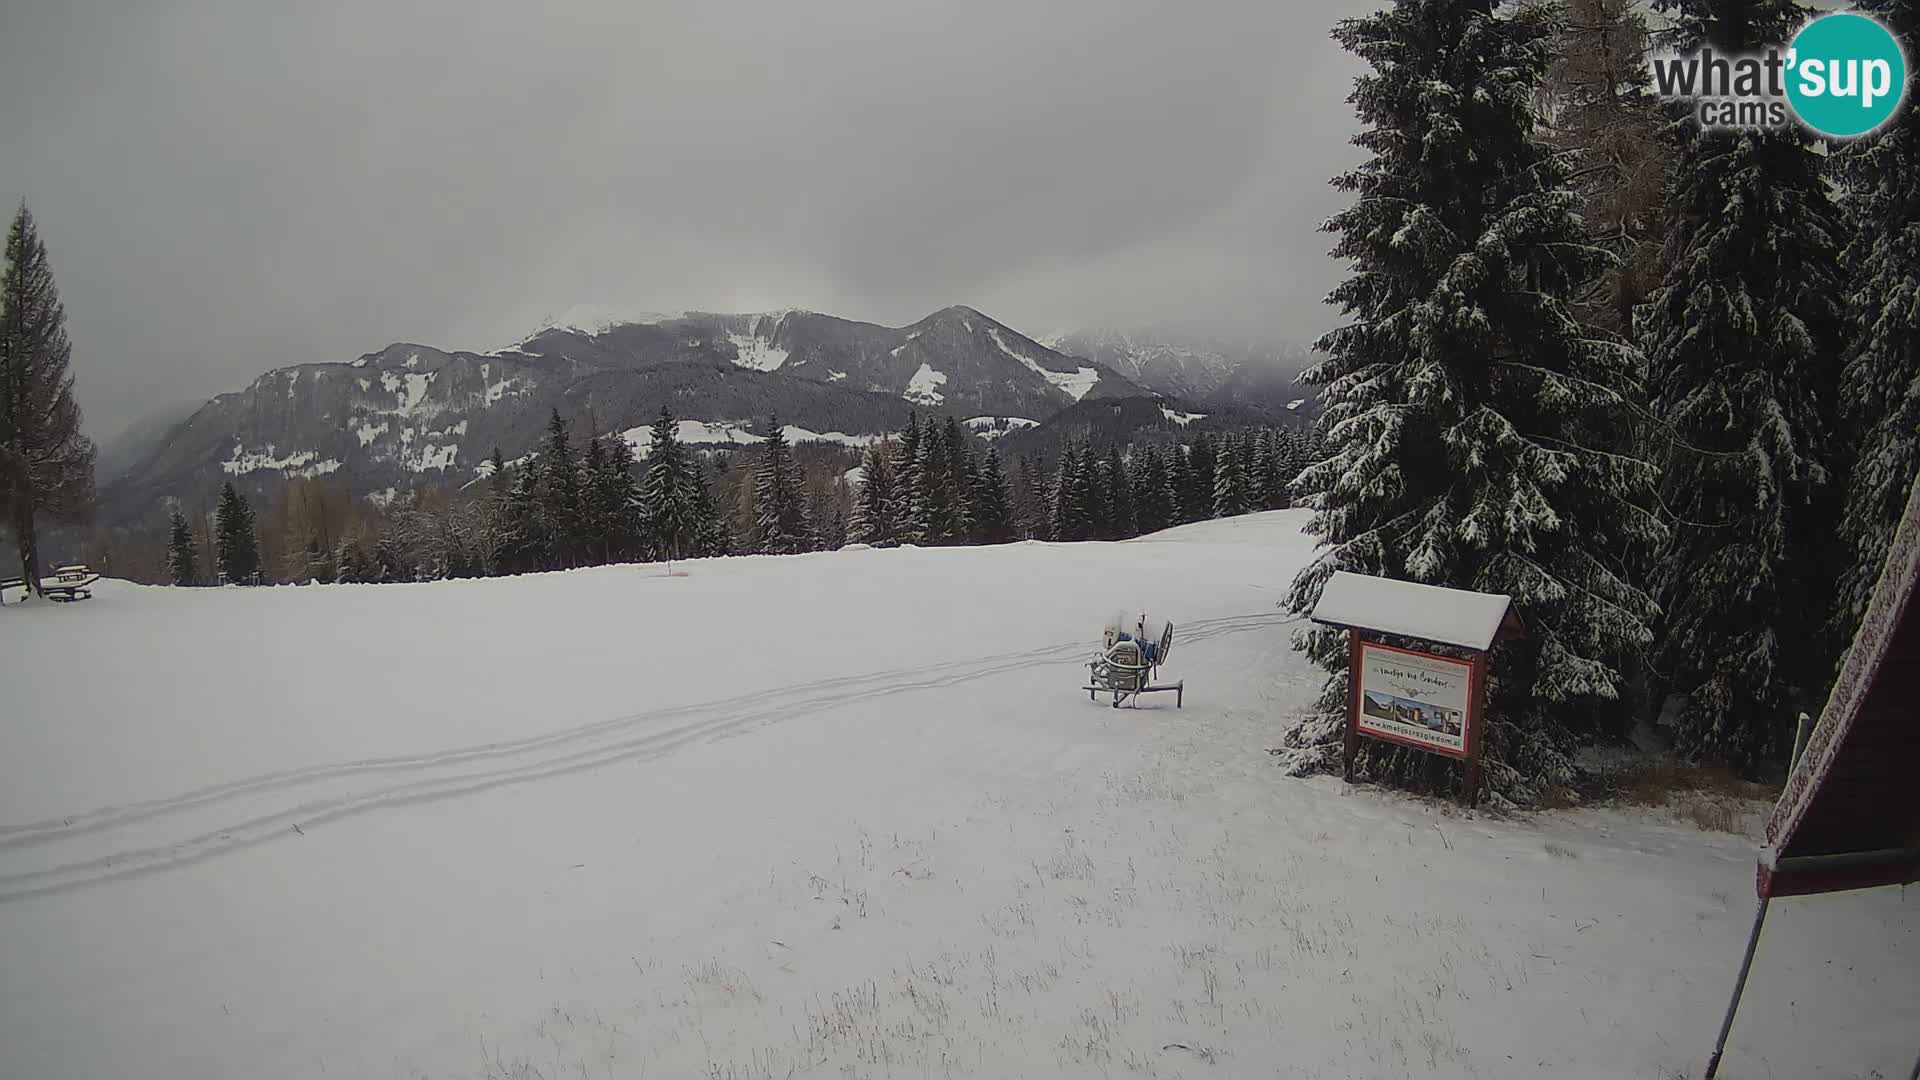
(587, 501)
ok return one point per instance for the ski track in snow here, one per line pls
(518, 761)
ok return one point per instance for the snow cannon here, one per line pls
(1132, 648)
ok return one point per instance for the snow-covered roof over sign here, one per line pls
(1470, 620)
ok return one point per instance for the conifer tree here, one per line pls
(669, 505)
(714, 536)
(620, 497)
(780, 512)
(525, 545)
(1095, 492)
(1263, 475)
(1461, 392)
(1069, 502)
(235, 545)
(1743, 336)
(839, 531)
(598, 520)
(1880, 386)
(607, 499)
(1030, 517)
(1180, 485)
(906, 481)
(1120, 511)
(935, 515)
(1286, 465)
(1288, 460)
(1258, 463)
(875, 501)
(992, 502)
(1202, 459)
(960, 479)
(1152, 504)
(180, 550)
(1230, 478)
(560, 496)
(46, 462)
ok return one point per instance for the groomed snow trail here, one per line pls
(837, 815)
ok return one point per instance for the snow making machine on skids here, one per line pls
(1131, 652)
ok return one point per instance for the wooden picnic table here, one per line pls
(68, 583)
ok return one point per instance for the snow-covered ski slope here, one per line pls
(838, 815)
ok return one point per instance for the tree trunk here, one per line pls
(29, 545)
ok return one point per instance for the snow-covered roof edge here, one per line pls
(1470, 620)
(1899, 581)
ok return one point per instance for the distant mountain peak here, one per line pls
(955, 311)
(1204, 369)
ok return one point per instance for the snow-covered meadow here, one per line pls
(842, 814)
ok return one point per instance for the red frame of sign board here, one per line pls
(1470, 735)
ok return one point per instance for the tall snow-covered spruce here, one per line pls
(669, 505)
(1069, 518)
(560, 495)
(906, 479)
(1743, 338)
(608, 518)
(180, 550)
(779, 504)
(46, 461)
(1880, 386)
(1152, 506)
(1463, 402)
(236, 549)
(875, 503)
(992, 502)
(1230, 488)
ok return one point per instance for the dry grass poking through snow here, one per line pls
(1712, 799)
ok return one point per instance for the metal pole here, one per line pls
(1739, 987)
(1801, 729)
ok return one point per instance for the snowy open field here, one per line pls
(834, 815)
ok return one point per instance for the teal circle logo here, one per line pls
(1846, 75)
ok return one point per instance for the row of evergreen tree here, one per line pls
(563, 506)
(1104, 497)
(588, 502)
(927, 487)
(1607, 361)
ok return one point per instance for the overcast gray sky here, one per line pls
(225, 188)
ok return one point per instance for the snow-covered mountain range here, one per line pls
(411, 415)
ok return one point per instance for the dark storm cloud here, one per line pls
(226, 188)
